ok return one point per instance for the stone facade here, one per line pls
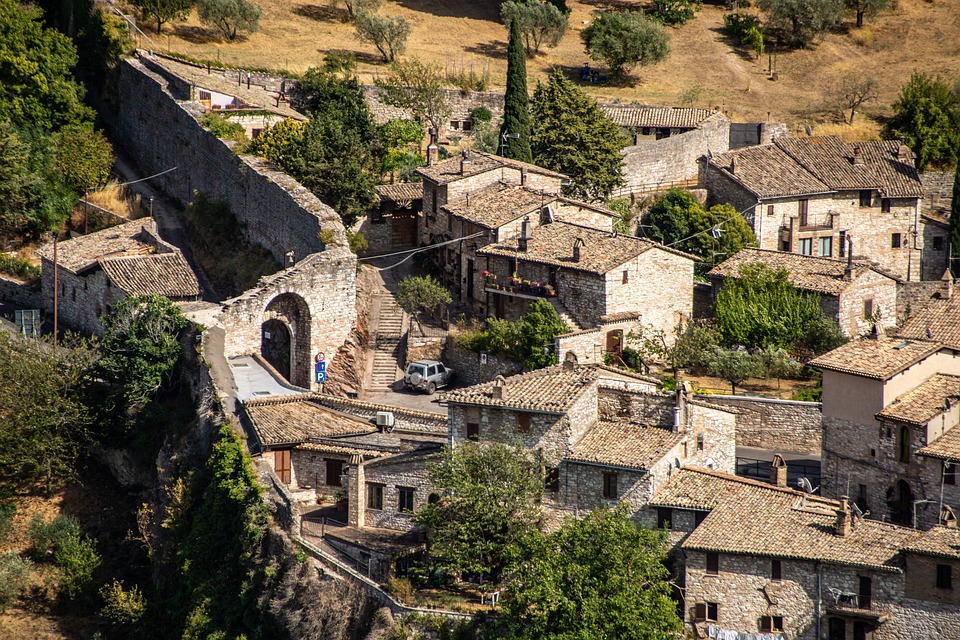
(469, 369)
(82, 312)
(590, 345)
(781, 425)
(461, 104)
(377, 501)
(19, 294)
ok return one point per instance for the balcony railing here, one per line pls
(518, 286)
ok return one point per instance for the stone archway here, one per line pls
(286, 320)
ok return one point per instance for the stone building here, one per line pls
(756, 560)
(589, 275)
(887, 403)
(603, 436)
(96, 271)
(393, 224)
(854, 294)
(813, 195)
(935, 212)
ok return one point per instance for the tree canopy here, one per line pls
(572, 135)
(599, 577)
(527, 340)
(800, 22)
(515, 128)
(387, 33)
(927, 116)
(541, 23)
(417, 294)
(867, 8)
(230, 17)
(164, 10)
(625, 39)
(419, 87)
(489, 504)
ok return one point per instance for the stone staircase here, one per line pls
(385, 340)
(565, 315)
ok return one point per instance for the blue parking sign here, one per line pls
(321, 376)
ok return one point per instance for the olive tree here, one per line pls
(387, 33)
(229, 17)
(625, 39)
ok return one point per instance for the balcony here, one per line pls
(517, 286)
(815, 223)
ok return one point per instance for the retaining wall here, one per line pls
(767, 423)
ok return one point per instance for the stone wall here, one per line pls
(467, 365)
(81, 300)
(652, 165)
(404, 419)
(914, 296)
(408, 471)
(782, 425)
(874, 286)
(651, 409)
(19, 294)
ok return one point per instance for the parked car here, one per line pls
(427, 375)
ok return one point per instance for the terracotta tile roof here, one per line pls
(939, 320)
(753, 518)
(879, 359)
(624, 444)
(553, 244)
(809, 273)
(922, 404)
(497, 205)
(638, 115)
(339, 449)
(941, 542)
(551, 389)
(946, 447)
(400, 192)
(478, 162)
(166, 274)
(296, 419)
(138, 237)
(817, 164)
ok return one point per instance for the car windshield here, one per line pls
(416, 368)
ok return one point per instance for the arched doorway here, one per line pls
(285, 338)
(900, 500)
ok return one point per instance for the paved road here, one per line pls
(253, 381)
(409, 400)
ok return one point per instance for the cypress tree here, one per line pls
(516, 102)
(955, 225)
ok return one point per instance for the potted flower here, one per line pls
(550, 291)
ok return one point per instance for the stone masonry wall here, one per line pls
(408, 472)
(659, 285)
(914, 296)
(869, 286)
(80, 311)
(784, 425)
(19, 294)
(653, 164)
(467, 365)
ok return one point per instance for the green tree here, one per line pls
(762, 308)
(733, 365)
(538, 328)
(44, 410)
(419, 87)
(229, 17)
(62, 540)
(122, 608)
(387, 33)
(541, 23)
(163, 10)
(401, 141)
(420, 294)
(800, 22)
(867, 8)
(356, 7)
(489, 504)
(955, 225)
(676, 11)
(572, 135)
(927, 117)
(624, 39)
(677, 219)
(515, 128)
(84, 156)
(14, 577)
(600, 577)
(852, 91)
(141, 346)
(36, 86)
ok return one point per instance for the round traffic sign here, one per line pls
(321, 357)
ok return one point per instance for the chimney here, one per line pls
(733, 165)
(778, 471)
(878, 332)
(525, 233)
(903, 152)
(948, 518)
(498, 388)
(464, 158)
(857, 156)
(523, 176)
(946, 290)
(569, 361)
(848, 272)
(433, 151)
(843, 518)
(577, 244)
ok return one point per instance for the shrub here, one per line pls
(73, 552)
(7, 512)
(223, 128)
(46, 535)
(810, 394)
(121, 607)
(18, 267)
(14, 573)
(675, 11)
(481, 114)
(745, 29)
(402, 589)
(230, 16)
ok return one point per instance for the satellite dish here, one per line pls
(710, 464)
(805, 486)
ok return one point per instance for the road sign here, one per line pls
(321, 367)
(321, 376)
(321, 356)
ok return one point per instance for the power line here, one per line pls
(412, 252)
(156, 175)
(739, 214)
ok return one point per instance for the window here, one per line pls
(610, 485)
(776, 570)
(433, 196)
(866, 591)
(405, 499)
(706, 611)
(885, 205)
(862, 501)
(771, 623)
(805, 246)
(938, 243)
(473, 431)
(904, 448)
(664, 517)
(467, 125)
(700, 441)
(455, 125)
(802, 209)
(868, 308)
(551, 479)
(862, 630)
(713, 563)
(334, 471)
(949, 473)
(626, 277)
(375, 496)
(866, 197)
(944, 576)
(843, 244)
(895, 240)
(826, 247)
(837, 629)
(770, 209)
(523, 422)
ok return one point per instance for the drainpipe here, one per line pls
(818, 611)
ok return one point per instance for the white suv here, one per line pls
(427, 375)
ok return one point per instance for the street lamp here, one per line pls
(503, 140)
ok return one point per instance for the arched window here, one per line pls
(904, 444)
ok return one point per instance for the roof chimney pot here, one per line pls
(498, 388)
(844, 519)
(778, 471)
(577, 245)
(857, 156)
(433, 151)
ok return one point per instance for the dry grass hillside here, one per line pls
(704, 68)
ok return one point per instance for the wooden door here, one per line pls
(404, 228)
(615, 341)
(334, 470)
(281, 464)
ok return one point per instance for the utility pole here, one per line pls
(56, 290)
